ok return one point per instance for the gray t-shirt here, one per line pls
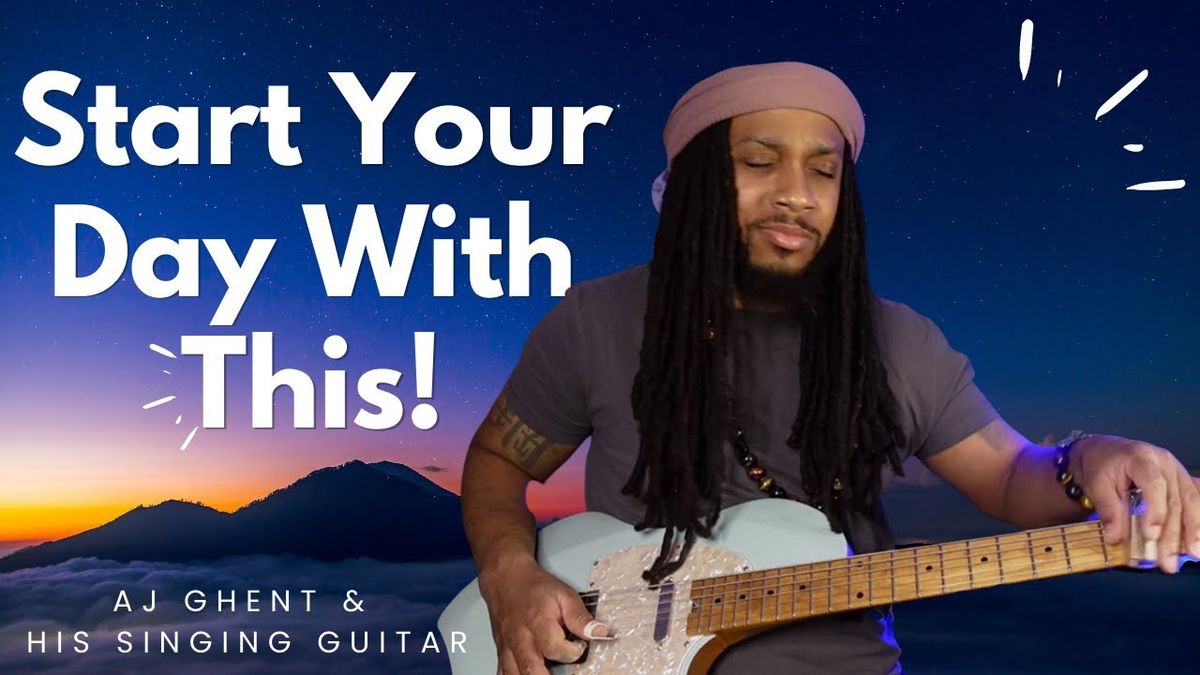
(575, 377)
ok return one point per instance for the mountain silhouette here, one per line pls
(383, 510)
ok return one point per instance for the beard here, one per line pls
(797, 291)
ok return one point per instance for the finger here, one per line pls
(508, 664)
(565, 651)
(529, 659)
(1112, 505)
(1190, 496)
(595, 630)
(553, 644)
(1168, 545)
(1146, 474)
(576, 617)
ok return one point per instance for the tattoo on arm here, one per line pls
(507, 435)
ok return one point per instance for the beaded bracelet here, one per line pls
(1062, 460)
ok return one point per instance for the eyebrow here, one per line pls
(817, 150)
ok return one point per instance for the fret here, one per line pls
(750, 589)
(984, 563)
(726, 596)
(942, 567)
(870, 583)
(827, 583)
(771, 589)
(821, 600)
(858, 586)
(969, 559)
(882, 567)
(758, 594)
(754, 597)
(916, 575)
(999, 558)
(1085, 551)
(956, 566)
(1049, 554)
(695, 620)
(809, 591)
(904, 575)
(1015, 558)
(706, 605)
(839, 584)
(1062, 533)
(734, 600)
(795, 581)
(741, 601)
(892, 573)
(1032, 557)
(929, 571)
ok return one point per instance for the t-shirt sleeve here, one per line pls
(937, 384)
(548, 387)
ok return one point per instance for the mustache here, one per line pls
(797, 221)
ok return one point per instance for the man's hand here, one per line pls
(532, 612)
(1106, 467)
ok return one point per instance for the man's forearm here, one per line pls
(498, 523)
(1033, 497)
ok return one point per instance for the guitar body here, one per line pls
(593, 552)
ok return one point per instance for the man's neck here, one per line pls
(756, 305)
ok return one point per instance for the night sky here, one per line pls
(996, 206)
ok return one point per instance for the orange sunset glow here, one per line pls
(90, 493)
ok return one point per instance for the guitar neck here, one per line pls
(760, 599)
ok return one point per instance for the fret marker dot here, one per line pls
(928, 567)
(770, 592)
(1049, 548)
(742, 596)
(983, 559)
(860, 595)
(802, 587)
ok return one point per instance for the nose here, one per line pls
(793, 190)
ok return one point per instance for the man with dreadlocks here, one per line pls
(751, 359)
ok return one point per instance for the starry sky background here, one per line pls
(996, 206)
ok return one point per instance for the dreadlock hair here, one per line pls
(846, 426)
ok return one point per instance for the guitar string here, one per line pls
(616, 614)
(897, 557)
(841, 578)
(840, 569)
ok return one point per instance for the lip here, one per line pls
(787, 237)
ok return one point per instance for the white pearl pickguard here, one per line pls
(596, 548)
(632, 615)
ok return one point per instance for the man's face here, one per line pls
(787, 169)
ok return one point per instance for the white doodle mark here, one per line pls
(155, 404)
(1026, 50)
(1114, 100)
(1159, 185)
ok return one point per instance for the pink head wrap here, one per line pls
(746, 89)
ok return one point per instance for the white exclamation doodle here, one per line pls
(424, 416)
(1124, 91)
(1025, 50)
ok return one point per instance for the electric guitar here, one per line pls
(769, 562)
